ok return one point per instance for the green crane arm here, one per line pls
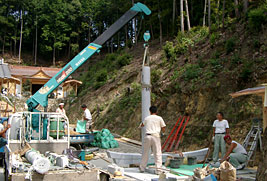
(41, 96)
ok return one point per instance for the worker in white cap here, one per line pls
(61, 109)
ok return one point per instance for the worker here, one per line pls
(220, 129)
(88, 118)
(3, 131)
(153, 125)
(236, 154)
(61, 109)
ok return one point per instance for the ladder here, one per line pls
(251, 140)
(176, 137)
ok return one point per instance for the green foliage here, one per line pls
(183, 42)
(192, 71)
(257, 18)
(169, 51)
(124, 59)
(100, 72)
(26, 86)
(155, 75)
(230, 45)
(213, 38)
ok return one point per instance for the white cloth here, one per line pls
(87, 115)
(153, 124)
(61, 111)
(1, 127)
(239, 148)
(220, 126)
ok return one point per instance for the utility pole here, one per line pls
(146, 86)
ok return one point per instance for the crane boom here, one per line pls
(41, 96)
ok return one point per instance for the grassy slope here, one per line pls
(197, 82)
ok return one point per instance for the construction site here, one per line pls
(133, 92)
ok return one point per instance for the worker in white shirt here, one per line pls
(153, 125)
(88, 118)
(236, 154)
(220, 129)
(61, 109)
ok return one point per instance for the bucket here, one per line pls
(53, 129)
(191, 160)
(176, 162)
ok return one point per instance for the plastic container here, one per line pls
(176, 162)
(192, 160)
(53, 129)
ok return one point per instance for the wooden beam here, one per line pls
(264, 115)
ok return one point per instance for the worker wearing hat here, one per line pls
(61, 109)
(88, 118)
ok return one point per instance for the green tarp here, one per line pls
(104, 139)
(81, 126)
(187, 169)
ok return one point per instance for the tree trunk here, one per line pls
(151, 31)
(173, 14)
(134, 25)
(4, 42)
(223, 13)
(20, 39)
(182, 15)
(160, 25)
(218, 6)
(187, 14)
(245, 6)
(261, 173)
(205, 11)
(54, 54)
(236, 9)
(89, 31)
(126, 35)
(15, 43)
(36, 41)
(209, 15)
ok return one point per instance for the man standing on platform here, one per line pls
(220, 129)
(153, 125)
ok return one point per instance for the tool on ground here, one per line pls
(208, 152)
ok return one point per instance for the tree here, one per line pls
(209, 14)
(205, 9)
(187, 15)
(173, 14)
(182, 15)
(236, 9)
(245, 6)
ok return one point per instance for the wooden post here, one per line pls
(1, 84)
(264, 116)
(76, 89)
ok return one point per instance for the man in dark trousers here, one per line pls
(153, 125)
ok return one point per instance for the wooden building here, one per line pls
(259, 91)
(15, 80)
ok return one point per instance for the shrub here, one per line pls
(192, 71)
(169, 50)
(257, 18)
(230, 45)
(124, 59)
(101, 76)
(213, 38)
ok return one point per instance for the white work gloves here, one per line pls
(213, 138)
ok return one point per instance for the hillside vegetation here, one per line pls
(194, 74)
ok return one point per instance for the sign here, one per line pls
(64, 74)
(45, 89)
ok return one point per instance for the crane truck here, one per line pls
(46, 131)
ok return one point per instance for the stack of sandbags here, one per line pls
(104, 139)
